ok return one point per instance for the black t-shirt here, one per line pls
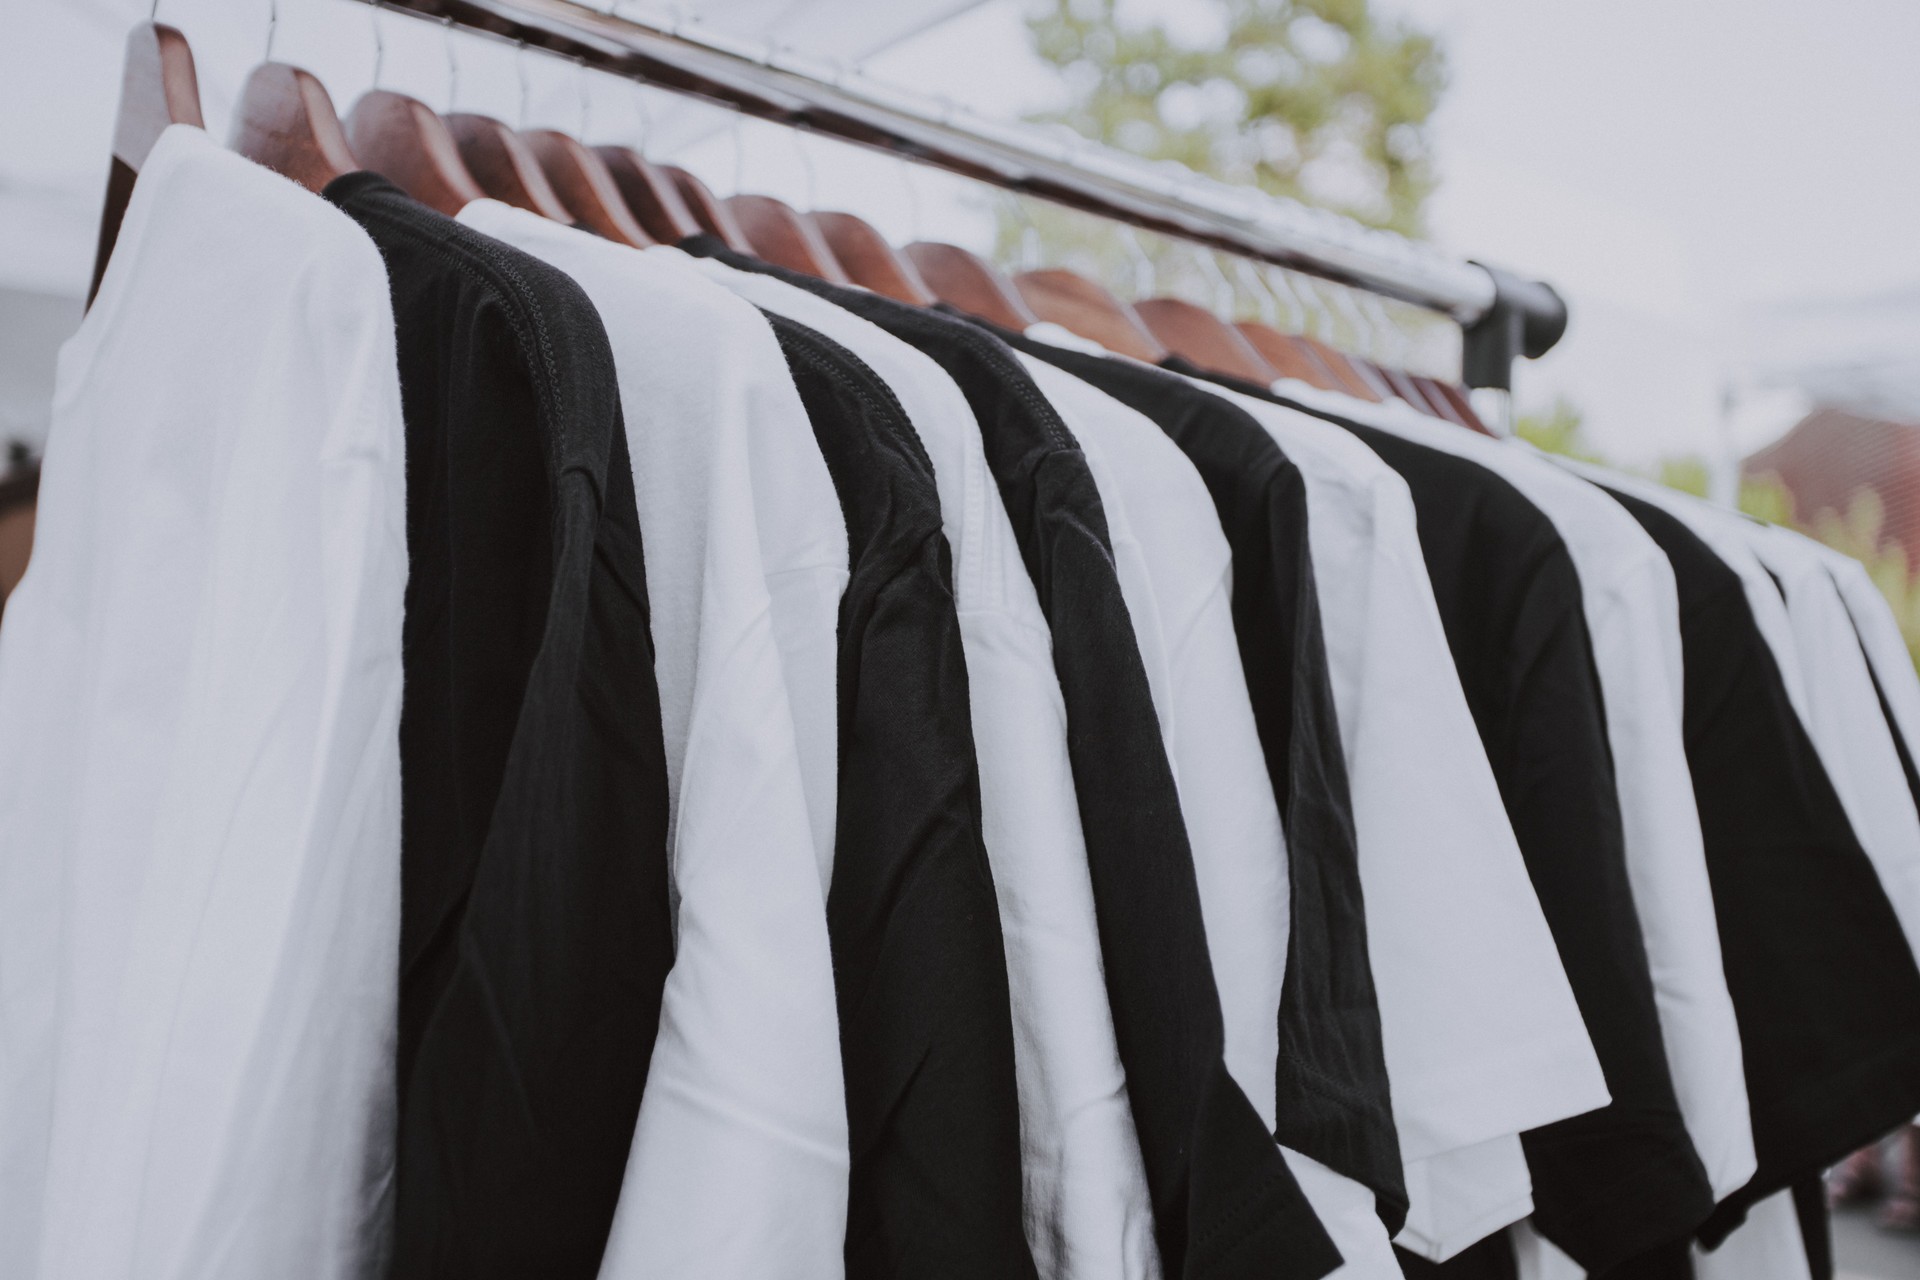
(1225, 1203)
(534, 935)
(920, 974)
(1824, 985)
(1615, 1182)
(1333, 1095)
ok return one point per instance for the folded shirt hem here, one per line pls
(1459, 1239)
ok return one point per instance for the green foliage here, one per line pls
(1859, 532)
(1559, 430)
(1762, 497)
(1321, 100)
(1767, 498)
(1686, 472)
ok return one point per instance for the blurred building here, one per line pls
(1834, 455)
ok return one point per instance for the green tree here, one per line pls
(1860, 532)
(1559, 430)
(1320, 100)
(1762, 497)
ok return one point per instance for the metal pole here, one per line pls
(1504, 315)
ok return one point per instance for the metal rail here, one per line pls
(1503, 315)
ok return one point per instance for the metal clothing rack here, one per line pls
(1503, 316)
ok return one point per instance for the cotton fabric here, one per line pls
(1613, 1183)
(1846, 715)
(1887, 656)
(200, 775)
(1088, 1214)
(1482, 1034)
(1326, 1098)
(739, 1157)
(1330, 1096)
(926, 1030)
(1224, 1201)
(1632, 614)
(1823, 981)
(1163, 526)
(534, 936)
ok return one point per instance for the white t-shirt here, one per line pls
(199, 754)
(1810, 633)
(1482, 1036)
(1848, 726)
(1632, 610)
(1089, 1215)
(1880, 636)
(1724, 535)
(739, 1160)
(1176, 574)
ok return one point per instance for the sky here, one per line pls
(1725, 191)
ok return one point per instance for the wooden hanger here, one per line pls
(406, 142)
(870, 260)
(1437, 403)
(286, 121)
(158, 88)
(1290, 357)
(581, 180)
(969, 283)
(651, 195)
(1072, 301)
(1345, 371)
(1456, 398)
(1205, 339)
(1369, 375)
(781, 236)
(708, 210)
(504, 166)
(1401, 385)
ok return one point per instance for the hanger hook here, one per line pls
(453, 64)
(1223, 300)
(1144, 283)
(1300, 312)
(1322, 311)
(1029, 259)
(581, 91)
(1225, 296)
(739, 153)
(1392, 341)
(1317, 316)
(803, 145)
(153, 11)
(273, 21)
(520, 73)
(379, 40)
(911, 181)
(1263, 299)
(1364, 336)
(642, 116)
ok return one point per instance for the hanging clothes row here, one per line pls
(529, 750)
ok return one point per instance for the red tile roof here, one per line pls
(1831, 455)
